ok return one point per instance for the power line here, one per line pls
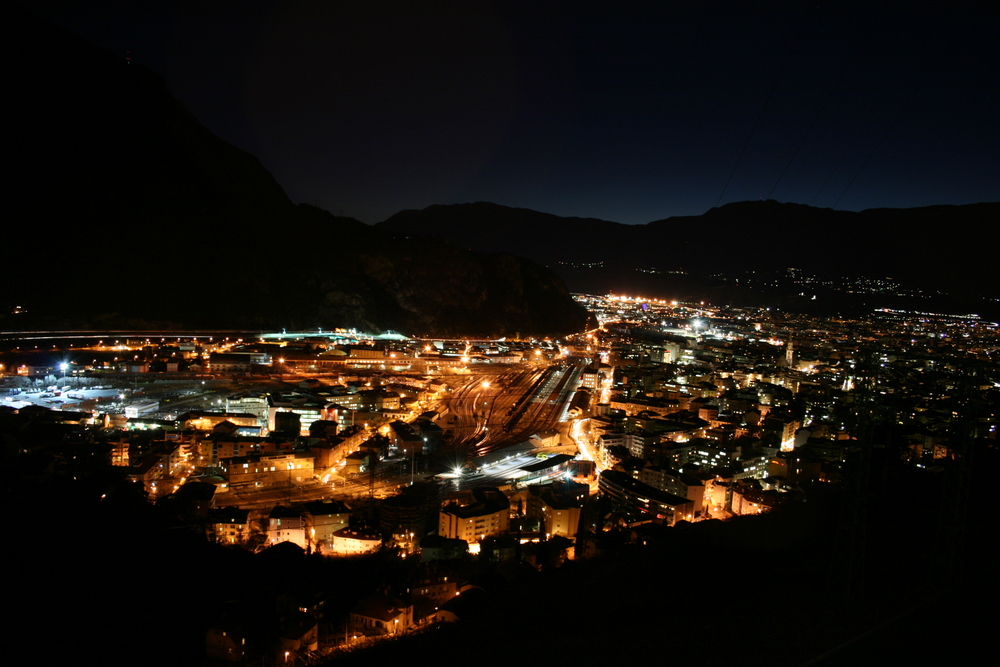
(905, 105)
(745, 145)
(760, 115)
(823, 107)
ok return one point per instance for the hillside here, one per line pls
(936, 249)
(126, 211)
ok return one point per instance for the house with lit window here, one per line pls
(324, 518)
(381, 614)
(227, 641)
(268, 470)
(631, 495)
(487, 514)
(285, 524)
(557, 506)
(350, 542)
(228, 525)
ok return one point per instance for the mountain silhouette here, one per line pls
(127, 212)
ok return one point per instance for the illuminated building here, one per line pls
(324, 518)
(488, 514)
(286, 525)
(749, 498)
(676, 483)
(634, 496)
(206, 421)
(268, 470)
(348, 542)
(557, 507)
(381, 614)
(228, 525)
(226, 641)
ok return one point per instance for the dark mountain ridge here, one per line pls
(936, 248)
(127, 212)
(760, 234)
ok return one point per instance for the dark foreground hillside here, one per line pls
(767, 590)
(121, 581)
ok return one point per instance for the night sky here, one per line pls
(580, 109)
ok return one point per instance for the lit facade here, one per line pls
(488, 515)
